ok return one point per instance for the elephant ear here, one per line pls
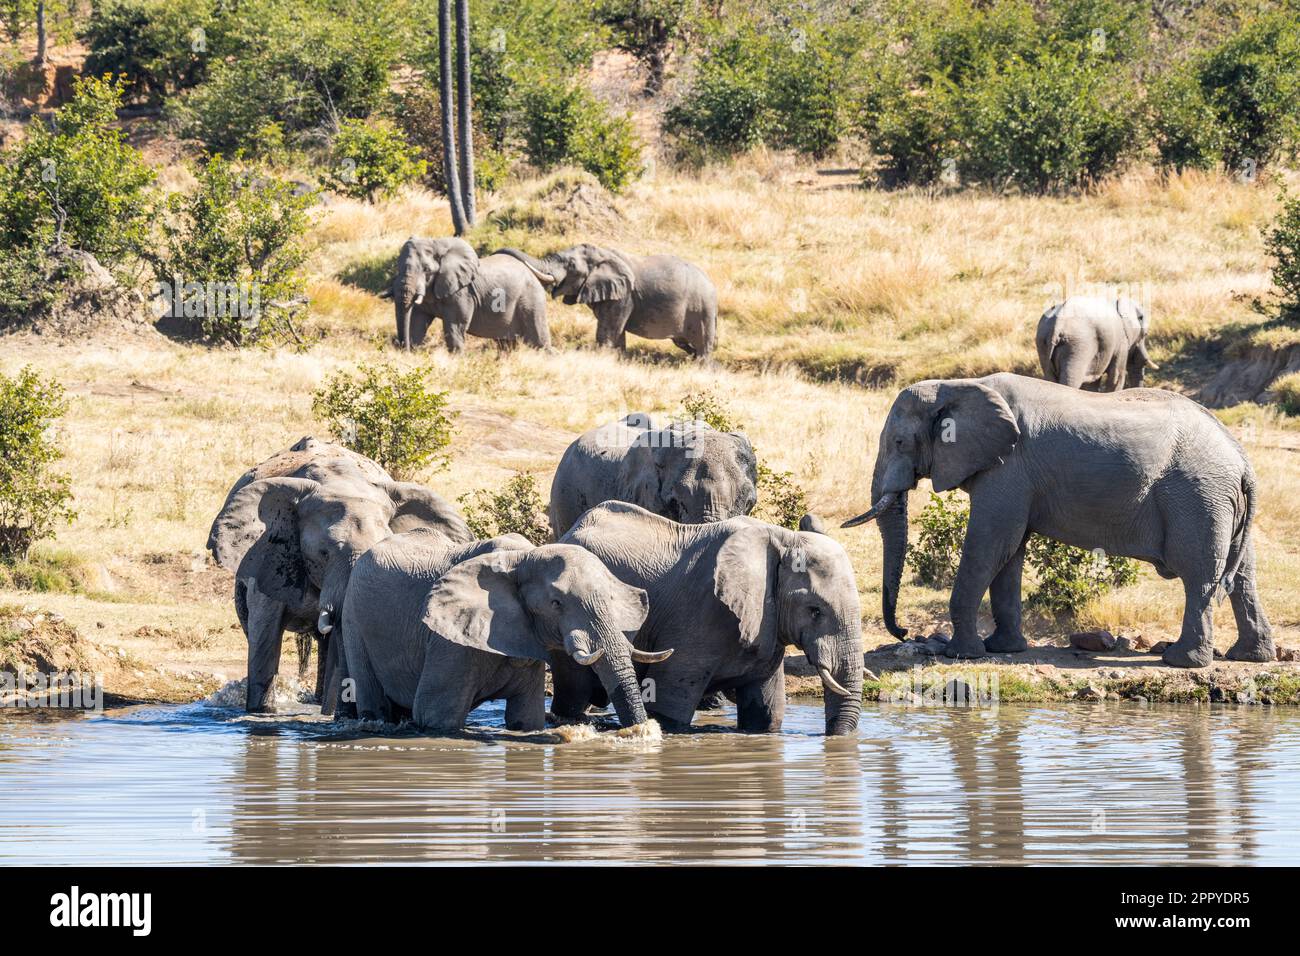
(973, 429)
(457, 268)
(257, 535)
(744, 579)
(611, 279)
(477, 604)
(418, 507)
(631, 607)
(640, 476)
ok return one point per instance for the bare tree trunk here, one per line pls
(450, 167)
(465, 116)
(40, 33)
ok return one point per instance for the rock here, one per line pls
(1285, 653)
(1093, 641)
(1124, 645)
(1140, 643)
(1158, 647)
(1091, 692)
(23, 624)
(940, 637)
(99, 624)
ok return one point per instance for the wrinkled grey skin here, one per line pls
(686, 471)
(493, 298)
(1094, 343)
(438, 629)
(291, 530)
(728, 596)
(1143, 473)
(655, 297)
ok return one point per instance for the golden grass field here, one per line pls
(817, 279)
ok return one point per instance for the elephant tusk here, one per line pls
(323, 623)
(651, 657)
(586, 660)
(885, 502)
(418, 299)
(831, 683)
(386, 294)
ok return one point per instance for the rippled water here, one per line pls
(1085, 784)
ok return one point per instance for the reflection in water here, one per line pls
(1078, 784)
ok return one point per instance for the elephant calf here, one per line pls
(1094, 343)
(655, 297)
(496, 297)
(436, 629)
(1143, 473)
(728, 596)
(686, 471)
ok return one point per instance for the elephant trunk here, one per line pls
(894, 477)
(329, 669)
(540, 269)
(843, 691)
(612, 660)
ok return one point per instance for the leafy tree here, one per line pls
(34, 498)
(515, 508)
(1282, 243)
(647, 29)
(566, 124)
(371, 158)
(158, 46)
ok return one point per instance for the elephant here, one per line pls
(655, 297)
(437, 629)
(1095, 343)
(493, 298)
(1142, 473)
(291, 530)
(728, 596)
(686, 471)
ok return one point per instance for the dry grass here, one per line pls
(838, 282)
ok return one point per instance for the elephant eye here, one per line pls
(814, 611)
(555, 603)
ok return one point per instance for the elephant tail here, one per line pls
(1047, 340)
(1244, 509)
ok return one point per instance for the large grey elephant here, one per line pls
(1143, 473)
(436, 628)
(1095, 343)
(291, 530)
(728, 596)
(493, 298)
(686, 471)
(655, 297)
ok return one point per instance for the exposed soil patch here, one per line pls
(1247, 377)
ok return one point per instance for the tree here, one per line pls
(457, 170)
(464, 111)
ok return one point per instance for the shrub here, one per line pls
(157, 46)
(807, 95)
(390, 416)
(937, 551)
(371, 159)
(1287, 390)
(725, 106)
(79, 185)
(1069, 578)
(514, 508)
(34, 498)
(1282, 243)
(705, 406)
(780, 499)
(231, 254)
(1183, 125)
(564, 123)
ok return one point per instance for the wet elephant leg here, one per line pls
(265, 635)
(572, 688)
(303, 643)
(760, 705)
(526, 704)
(1254, 634)
(442, 700)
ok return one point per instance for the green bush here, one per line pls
(725, 107)
(1282, 243)
(808, 95)
(79, 185)
(564, 124)
(158, 46)
(514, 508)
(1066, 578)
(34, 498)
(705, 406)
(1186, 132)
(390, 416)
(231, 255)
(371, 158)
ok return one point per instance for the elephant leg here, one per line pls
(331, 675)
(1113, 379)
(1195, 646)
(419, 328)
(302, 643)
(442, 700)
(760, 706)
(611, 323)
(1004, 595)
(361, 689)
(672, 696)
(572, 686)
(265, 635)
(993, 537)
(453, 335)
(1254, 634)
(526, 704)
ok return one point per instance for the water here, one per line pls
(1068, 784)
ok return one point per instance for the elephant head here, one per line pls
(1138, 358)
(433, 269)
(689, 472)
(298, 539)
(797, 587)
(551, 599)
(583, 274)
(947, 431)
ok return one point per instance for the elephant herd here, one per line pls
(503, 296)
(658, 591)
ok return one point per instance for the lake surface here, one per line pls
(1116, 783)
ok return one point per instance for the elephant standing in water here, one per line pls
(686, 471)
(655, 297)
(1143, 473)
(493, 298)
(291, 530)
(1094, 343)
(728, 596)
(437, 629)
